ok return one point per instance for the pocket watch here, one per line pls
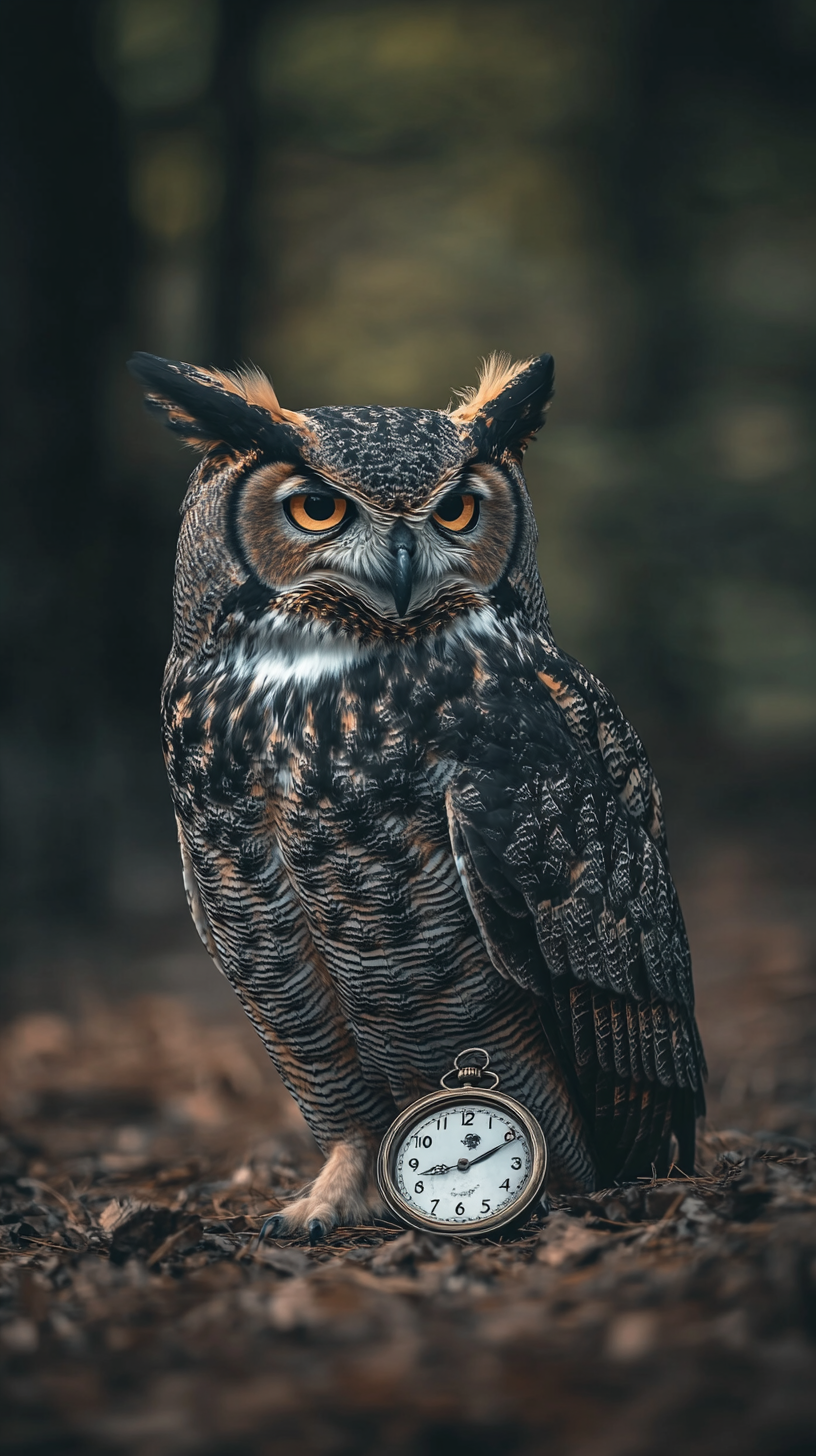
(466, 1160)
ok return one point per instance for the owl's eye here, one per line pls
(457, 512)
(316, 512)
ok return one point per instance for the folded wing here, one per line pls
(574, 899)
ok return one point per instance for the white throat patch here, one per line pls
(275, 656)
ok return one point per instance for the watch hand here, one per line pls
(490, 1152)
(463, 1163)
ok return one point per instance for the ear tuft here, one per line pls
(252, 385)
(213, 410)
(505, 409)
(496, 372)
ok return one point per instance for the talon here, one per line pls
(544, 1207)
(317, 1231)
(272, 1226)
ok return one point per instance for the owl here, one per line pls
(408, 821)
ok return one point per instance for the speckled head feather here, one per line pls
(397, 454)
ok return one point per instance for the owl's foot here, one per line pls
(341, 1194)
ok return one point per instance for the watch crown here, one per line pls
(471, 1073)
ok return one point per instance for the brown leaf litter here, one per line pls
(141, 1151)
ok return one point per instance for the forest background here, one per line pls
(364, 200)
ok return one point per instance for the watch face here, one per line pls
(464, 1163)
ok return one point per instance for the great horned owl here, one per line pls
(408, 821)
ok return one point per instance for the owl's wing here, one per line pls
(573, 897)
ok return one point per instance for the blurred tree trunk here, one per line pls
(234, 91)
(61, 301)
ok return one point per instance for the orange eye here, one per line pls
(457, 512)
(316, 512)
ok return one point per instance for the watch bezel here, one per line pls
(455, 1096)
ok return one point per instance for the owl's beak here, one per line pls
(402, 546)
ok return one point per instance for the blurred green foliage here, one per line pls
(157, 53)
(431, 200)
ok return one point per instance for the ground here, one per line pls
(144, 1142)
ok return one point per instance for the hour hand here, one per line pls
(438, 1168)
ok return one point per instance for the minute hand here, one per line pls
(489, 1153)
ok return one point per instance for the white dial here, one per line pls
(463, 1163)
